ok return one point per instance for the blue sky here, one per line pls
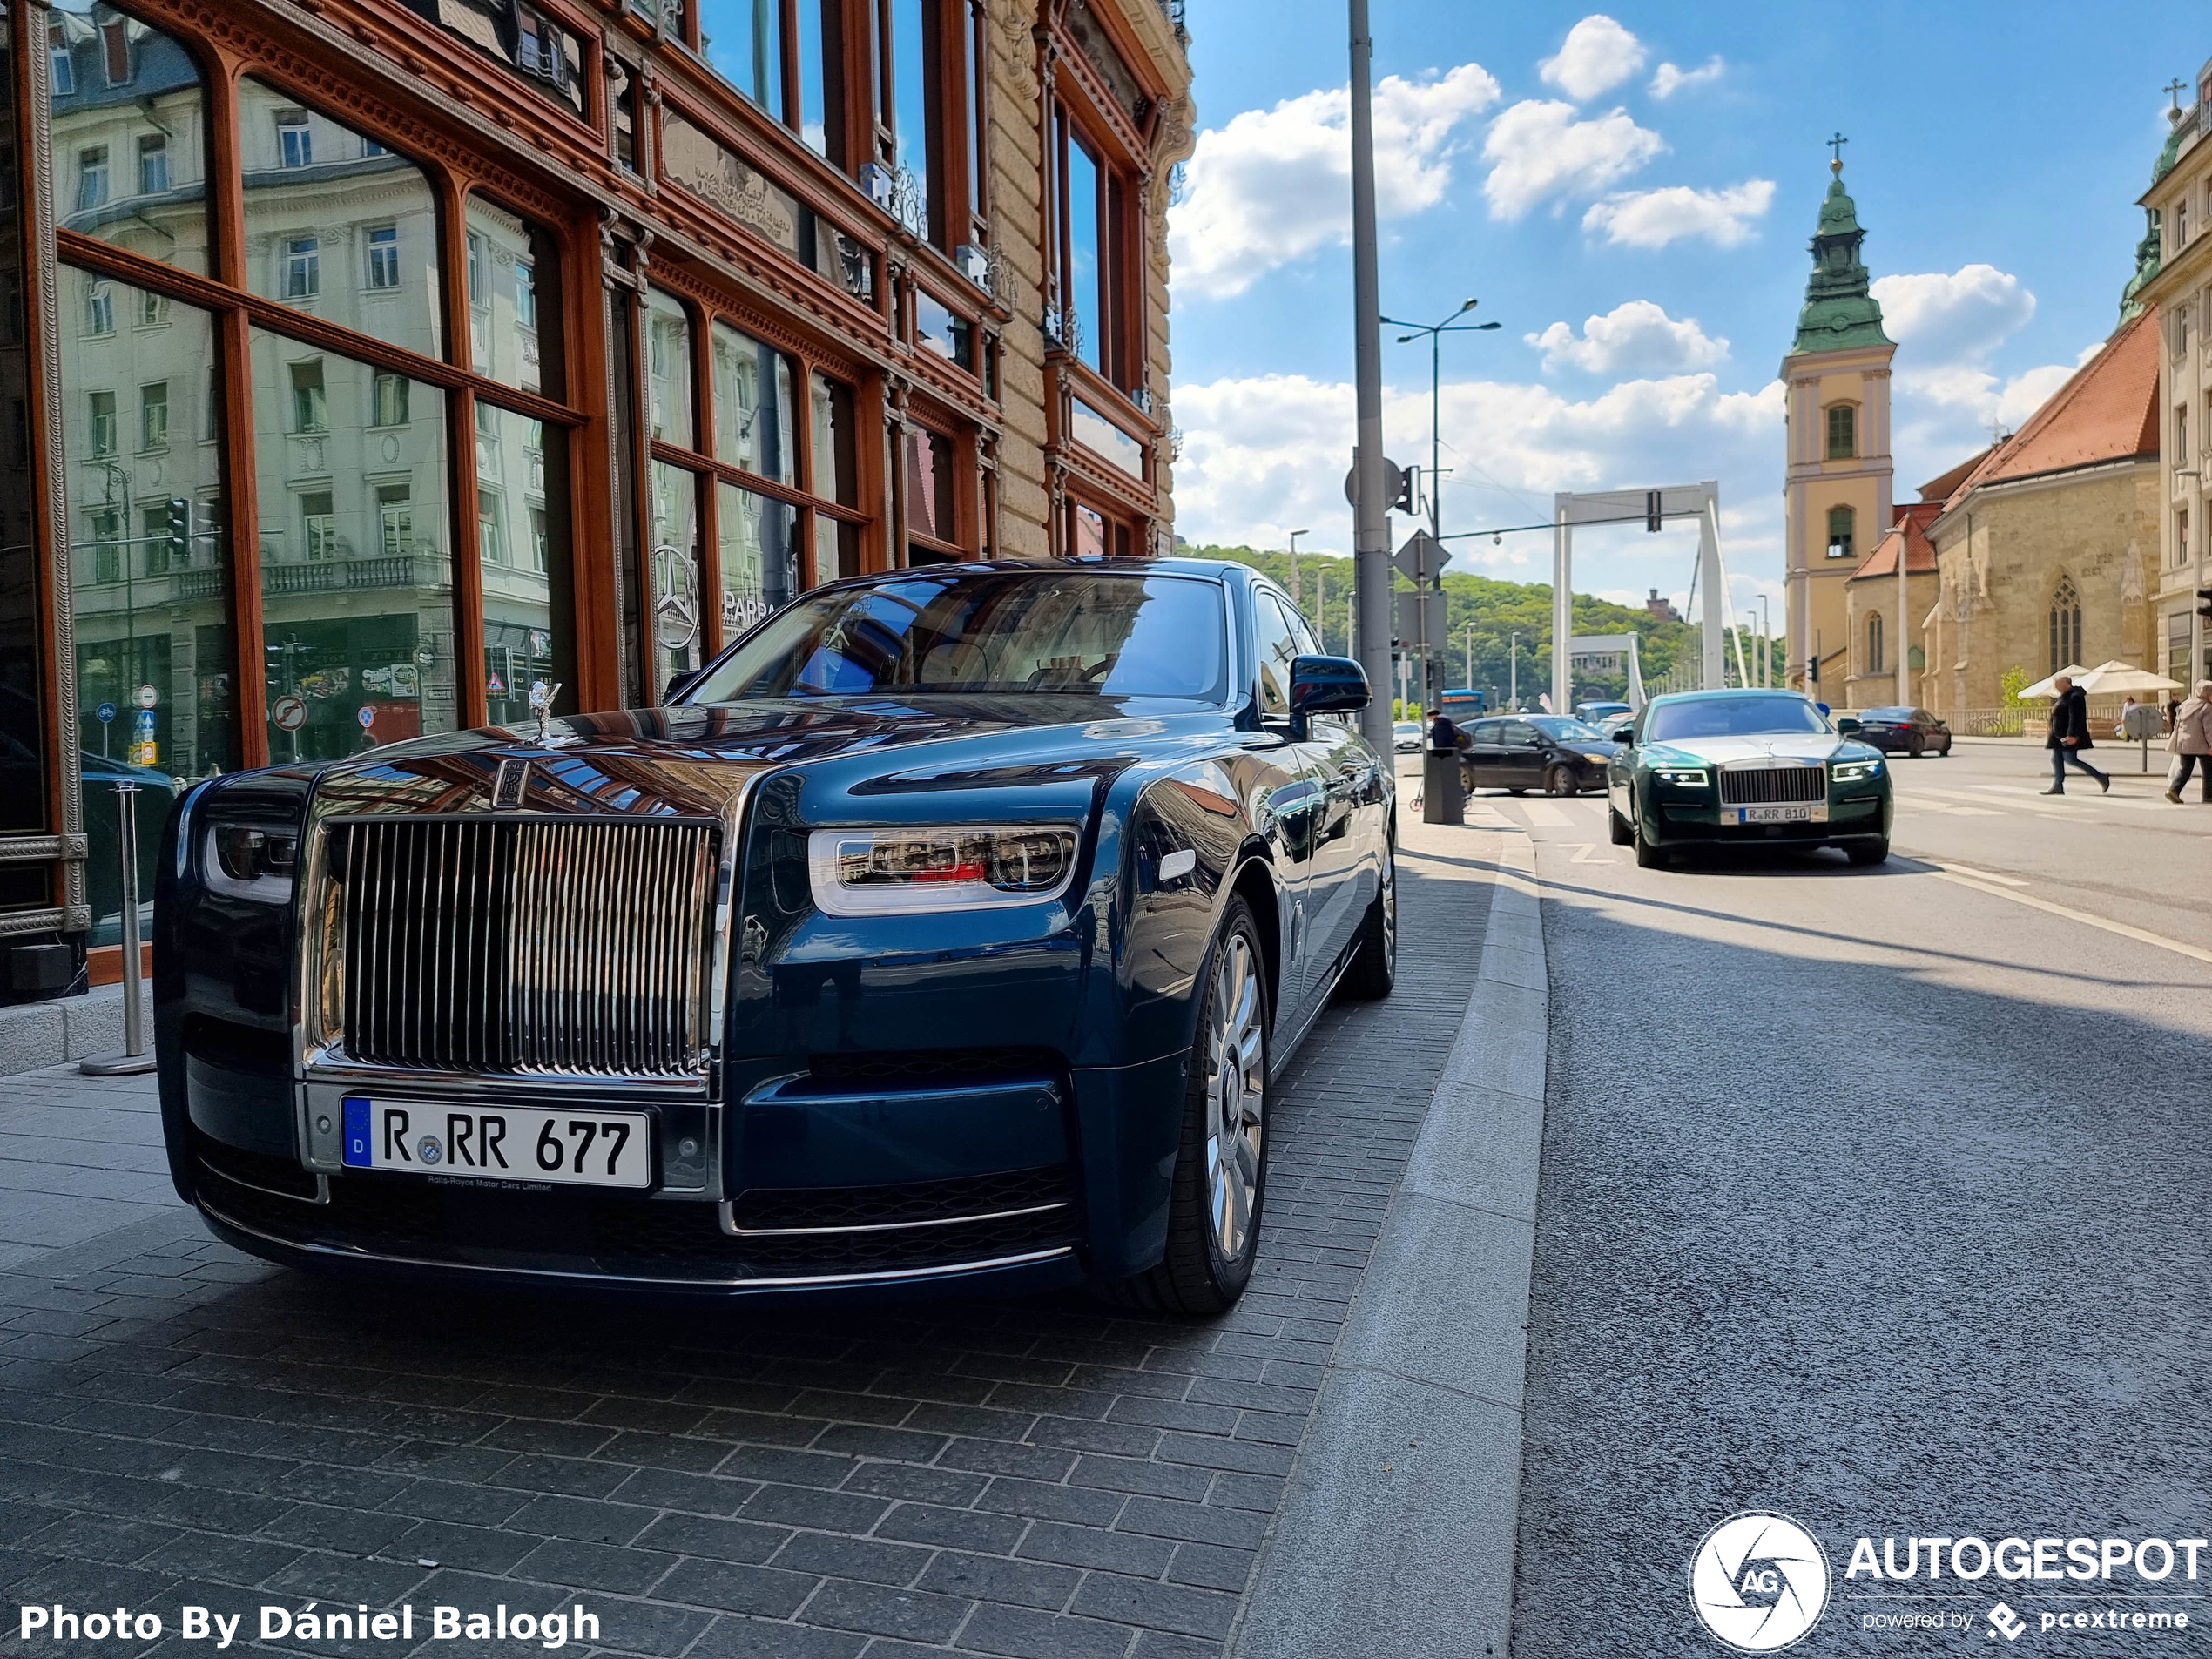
(1630, 193)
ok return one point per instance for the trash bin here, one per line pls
(1442, 799)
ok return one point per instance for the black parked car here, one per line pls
(1910, 731)
(951, 927)
(1519, 753)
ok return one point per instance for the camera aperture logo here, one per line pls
(1759, 1582)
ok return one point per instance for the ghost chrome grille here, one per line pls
(1767, 786)
(564, 946)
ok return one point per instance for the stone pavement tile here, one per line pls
(1022, 1633)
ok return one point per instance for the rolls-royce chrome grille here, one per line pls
(533, 946)
(1765, 786)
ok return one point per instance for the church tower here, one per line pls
(1836, 498)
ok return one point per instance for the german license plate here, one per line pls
(580, 1146)
(1812, 813)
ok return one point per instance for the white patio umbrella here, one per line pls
(2115, 678)
(2073, 672)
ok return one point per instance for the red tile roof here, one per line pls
(1910, 531)
(2107, 411)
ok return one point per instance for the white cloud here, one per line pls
(1671, 78)
(1539, 148)
(1634, 337)
(1597, 55)
(1655, 218)
(1960, 317)
(1274, 185)
(1267, 454)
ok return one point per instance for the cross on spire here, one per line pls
(1836, 144)
(2172, 90)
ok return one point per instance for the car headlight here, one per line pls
(902, 872)
(1687, 777)
(250, 861)
(1857, 771)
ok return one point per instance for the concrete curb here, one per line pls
(1397, 1534)
(35, 1035)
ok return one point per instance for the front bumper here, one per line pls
(1680, 823)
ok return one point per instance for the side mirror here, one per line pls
(1327, 686)
(679, 683)
(1845, 727)
(1623, 733)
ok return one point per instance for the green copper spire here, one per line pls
(2149, 252)
(1839, 311)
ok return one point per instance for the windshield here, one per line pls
(1561, 729)
(996, 631)
(1887, 714)
(1733, 716)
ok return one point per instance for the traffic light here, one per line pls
(1651, 510)
(1404, 501)
(179, 532)
(2204, 603)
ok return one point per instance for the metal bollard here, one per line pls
(1442, 799)
(134, 1059)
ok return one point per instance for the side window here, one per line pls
(1486, 732)
(1519, 733)
(1276, 646)
(1301, 631)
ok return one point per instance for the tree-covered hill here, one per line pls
(1497, 610)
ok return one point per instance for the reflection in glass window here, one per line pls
(938, 328)
(929, 484)
(916, 71)
(153, 416)
(752, 405)
(129, 141)
(675, 624)
(759, 547)
(99, 306)
(22, 698)
(1090, 531)
(389, 397)
(834, 477)
(542, 53)
(743, 39)
(1084, 266)
(821, 98)
(315, 189)
(146, 593)
(356, 580)
(514, 299)
(668, 369)
(523, 556)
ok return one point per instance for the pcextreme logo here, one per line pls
(1759, 1582)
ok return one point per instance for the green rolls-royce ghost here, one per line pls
(1746, 768)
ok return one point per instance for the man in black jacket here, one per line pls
(2070, 736)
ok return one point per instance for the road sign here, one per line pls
(290, 714)
(1421, 558)
(105, 714)
(148, 696)
(368, 716)
(495, 686)
(1393, 482)
(1422, 620)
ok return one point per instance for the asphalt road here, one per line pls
(1875, 1197)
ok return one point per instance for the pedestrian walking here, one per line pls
(2120, 726)
(2173, 708)
(2191, 745)
(2070, 735)
(1443, 736)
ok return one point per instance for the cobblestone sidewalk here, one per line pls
(178, 1423)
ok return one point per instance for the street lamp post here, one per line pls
(1467, 634)
(1436, 331)
(1295, 599)
(1766, 646)
(1513, 673)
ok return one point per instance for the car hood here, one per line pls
(1777, 745)
(697, 759)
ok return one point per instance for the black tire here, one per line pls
(1196, 1275)
(1649, 854)
(1516, 792)
(1869, 852)
(1916, 746)
(1559, 781)
(1374, 971)
(1618, 830)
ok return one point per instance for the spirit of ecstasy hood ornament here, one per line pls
(542, 696)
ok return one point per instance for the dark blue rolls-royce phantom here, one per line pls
(951, 927)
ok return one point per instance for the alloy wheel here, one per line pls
(1236, 1095)
(1390, 906)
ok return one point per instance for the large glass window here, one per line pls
(758, 538)
(837, 544)
(147, 581)
(914, 99)
(821, 77)
(356, 580)
(743, 39)
(22, 728)
(930, 510)
(129, 135)
(523, 544)
(336, 220)
(668, 369)
(675, 622)
(1082, 197)
(752, 405)
(542, 53)
(514, 299)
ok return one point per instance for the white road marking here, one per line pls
(1982, 875)
(1545, 815)
(1583, 851)
(1923, 804)
(2083, 916)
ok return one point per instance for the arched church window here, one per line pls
(1841, 523)
(2066, 624)
(1843, 431)
(1874, 645)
